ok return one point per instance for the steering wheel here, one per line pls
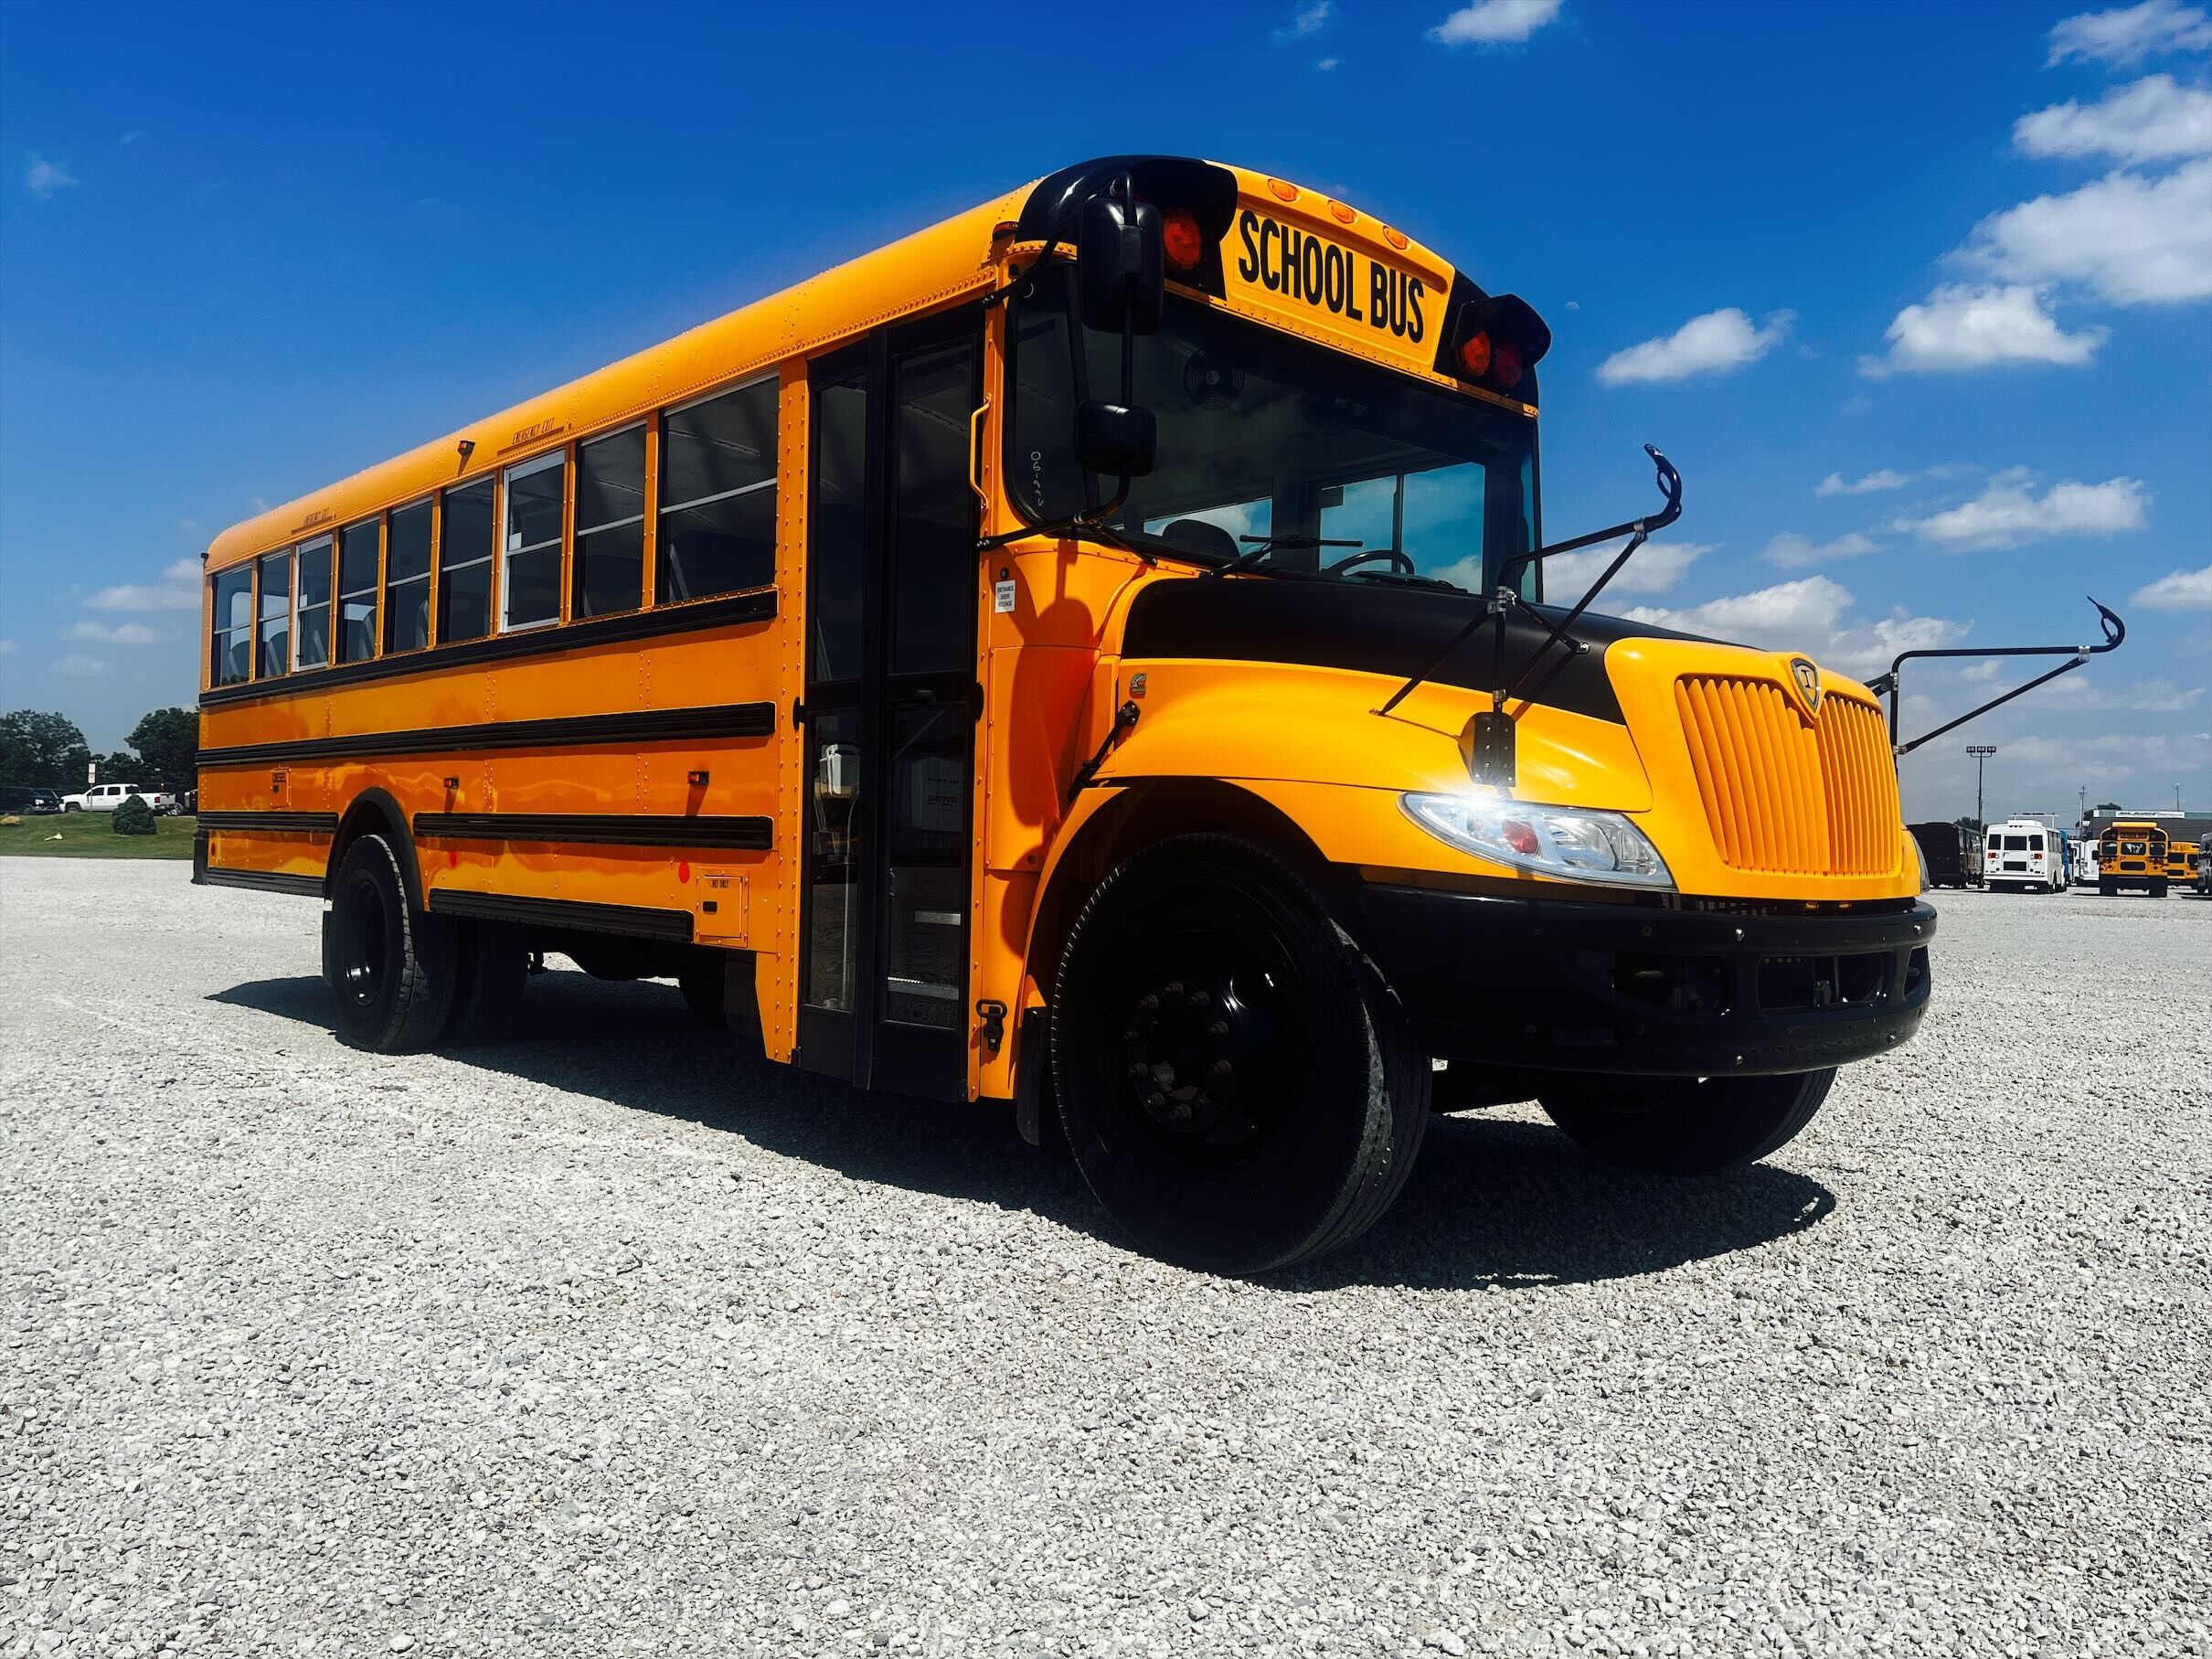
(1368, 556)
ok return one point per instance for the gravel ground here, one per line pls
(605, 1342)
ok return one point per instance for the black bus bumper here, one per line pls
(1564, 987)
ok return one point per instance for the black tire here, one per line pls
(2107, 889)
(2158, 889)
(1283, 1097)
(72, 806)
(702, 989)
(490, 968)
(1685, 1126)
(390, 967)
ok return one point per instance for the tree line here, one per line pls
(48, 752)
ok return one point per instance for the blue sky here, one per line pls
(1920, 299)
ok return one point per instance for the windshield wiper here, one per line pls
(1252, 558)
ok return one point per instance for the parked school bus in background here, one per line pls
(2182, 858)
(1083, 654)
(2131, 855)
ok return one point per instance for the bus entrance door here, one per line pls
(891, 708)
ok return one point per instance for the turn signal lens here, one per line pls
(1181, 241)
(1474, 356)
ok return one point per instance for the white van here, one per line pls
(2021, 852)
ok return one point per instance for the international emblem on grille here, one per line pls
(1808, 683)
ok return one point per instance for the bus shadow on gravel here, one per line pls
(1492, 1203)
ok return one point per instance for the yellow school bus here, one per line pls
(2132, 854)
(2182, 863)
(1088, 654)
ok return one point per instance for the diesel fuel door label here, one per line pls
(1295, 263)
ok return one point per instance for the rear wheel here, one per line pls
(1685, 1126)
(2106, 889)
(2158, 889)
(702, 989)
(1240, 1088)
(390, 966)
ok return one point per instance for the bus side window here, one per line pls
(313, 650)
(275, 655)
(464, 564)
(717, 523)
(530, 562)
(229, 650)
(359, 547)
(610, 524)
(406, 579)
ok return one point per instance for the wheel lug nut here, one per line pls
(1221, 1068)
(1148, 1001)
(1201, 999)
(1154, 1101)
(1218, 1029)
(1174, 987)
(1139, 1072)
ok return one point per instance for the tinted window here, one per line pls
(314, 648)
(610, 524)
(530, 576)
(274, 656)
(838, 528)
(465, 563)
(406, 579)
(359, 547)
(718, 522)
(231, 645)
(933, 541)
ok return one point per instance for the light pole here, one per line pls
(1980, 753)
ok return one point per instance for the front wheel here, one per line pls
(1685, 1126)
(2158, 889)
(72, 807)
(1240, 1088)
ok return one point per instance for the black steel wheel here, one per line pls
(1685, 1126)
(1238, 1085)
(389, 966)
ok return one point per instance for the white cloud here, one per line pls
(178, 590)
(1655, 569)
(1793, 552)
(2177, 590)
(1711, 344)
(2134, 241)
(7, 647)
(122, 634)
(2130, 33)
(80, 667)
(1495, 22)
(42, 177)
(1307, 20)
(2147, 696)
(1960, 326)
(2008, 512)
(2153, 120)
(1881, 478)
(1326, 64)
(1810, 614)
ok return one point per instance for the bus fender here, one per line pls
(373, 811)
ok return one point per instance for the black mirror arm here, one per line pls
(1507, 594)
(1891, 684)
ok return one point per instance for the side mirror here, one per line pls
(1115, 440)
(1119, 275)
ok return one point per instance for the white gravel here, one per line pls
(605, 1343)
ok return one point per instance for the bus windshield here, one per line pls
(1260, 436)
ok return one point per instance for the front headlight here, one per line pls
(1561, 841)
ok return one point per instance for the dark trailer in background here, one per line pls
(1951, 860)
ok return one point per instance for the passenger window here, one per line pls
(406, 579)
(933, 544)
(718, 524)
(274, 656)
(357, 549)
(530, 573)
(610, 524)
(465, 563)
(230, 646)
(313, 648)
(838, 527)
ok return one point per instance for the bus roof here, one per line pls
(950, 260)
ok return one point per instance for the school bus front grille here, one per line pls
(1784, 797)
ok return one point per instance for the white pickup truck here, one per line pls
(107, 797)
